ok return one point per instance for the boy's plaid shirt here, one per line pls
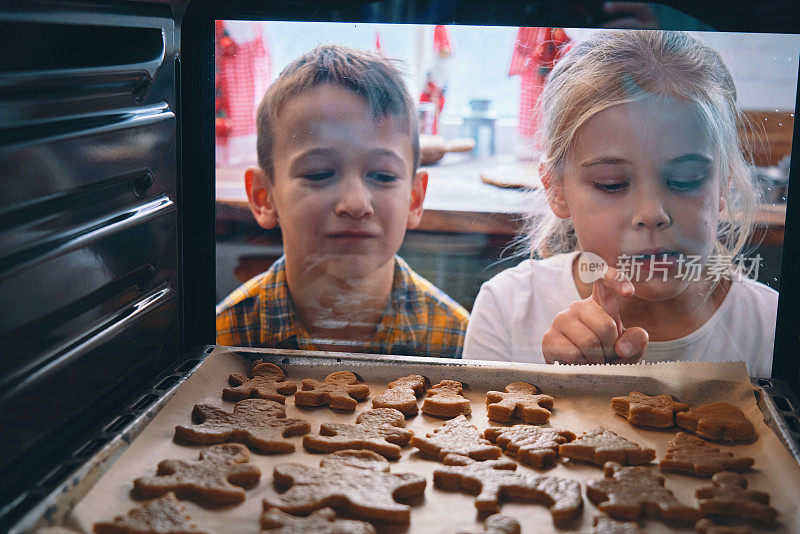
(420, 320)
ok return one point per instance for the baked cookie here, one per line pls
(730, 497)
(630, 493)
(355, 481)
(258, 423)
(498, 524)
(165, 515)
(599, 446)
(402, 395)
(719, 421)
(340, 391)
(498, 477)
(532, 445)
(706, 526)
(322, 521)
(446, 400)
(209, 480)
(650, 411)
(457, 436)
(379, 430)
(266, 383)
(602, 524)
(689, 454)
(416, 382)
(520, 400)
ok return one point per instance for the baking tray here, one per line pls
(693, 383)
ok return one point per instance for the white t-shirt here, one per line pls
(514, 309)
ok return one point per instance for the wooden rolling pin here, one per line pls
(434, 147)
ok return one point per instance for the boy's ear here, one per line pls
(260, 197)
(418, 188)
(555, 194)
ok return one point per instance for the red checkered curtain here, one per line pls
(243, 71)
(536, 51)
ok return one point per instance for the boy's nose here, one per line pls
(650, 212)
(355, 199)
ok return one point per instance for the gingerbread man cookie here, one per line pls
(165, 515)
(258, 423)
(340, 391)
(629, 493)
(730, 497)
(719, 421)
(322, 521)
(602, 524)
(599, 446)
(356, 481)
(690, 454)
(498, 524)
(498, 477)
(210, 479)
(379, 430)
(446, 400)
(519, 400)
(402, 395)
(266, 383)
(457, 436)
(649, 411)
(532, 445)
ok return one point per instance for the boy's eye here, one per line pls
(382, 177)
(318, 176)
(612, 187)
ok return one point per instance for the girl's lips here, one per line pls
(655, 253)
(645, 266)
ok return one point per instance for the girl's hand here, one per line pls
(591, 331)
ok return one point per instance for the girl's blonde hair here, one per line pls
(617, 67)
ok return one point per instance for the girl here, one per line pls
(651, 201)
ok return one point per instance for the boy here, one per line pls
(337, 152)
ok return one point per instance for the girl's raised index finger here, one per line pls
(606, 289)
(618, 282)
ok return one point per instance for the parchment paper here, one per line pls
(582, 398)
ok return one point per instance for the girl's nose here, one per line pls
(650, 212)
(354, 198)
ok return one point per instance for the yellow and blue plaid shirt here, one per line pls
(420, 319)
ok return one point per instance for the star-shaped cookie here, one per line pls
(379, 430)
(258, 423)
(214, 478)
(356, 481)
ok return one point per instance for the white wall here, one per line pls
(764, 66)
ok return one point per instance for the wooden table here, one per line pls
(458, 201)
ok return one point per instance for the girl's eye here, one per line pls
(318, 176)
(683, 186)
(382, 177)
(610, 187)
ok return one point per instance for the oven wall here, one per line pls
(88, 224)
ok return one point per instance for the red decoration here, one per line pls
(441, 41)
(536, 51)
(222, 127)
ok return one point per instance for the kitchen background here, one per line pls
(467, 236)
